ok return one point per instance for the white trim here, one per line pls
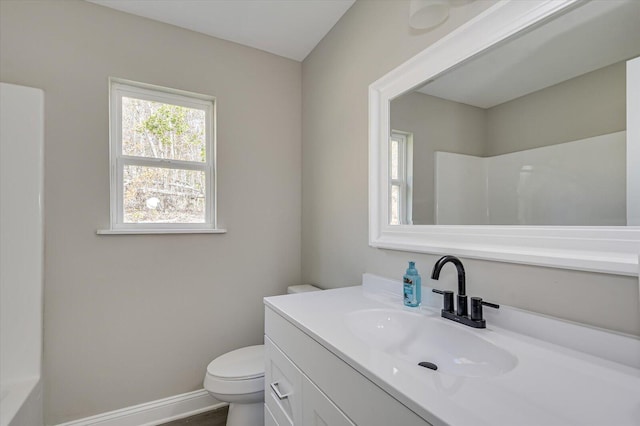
(595, 249)
(139, 231)
(162, 95)
(189, 96)
(633, 141)
(154, 412)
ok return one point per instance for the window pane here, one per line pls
(395, 146)
(395, 205)
(159, 195)
(158, 130)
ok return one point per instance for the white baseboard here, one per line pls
(155, 412)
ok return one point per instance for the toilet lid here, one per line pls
(241, 364)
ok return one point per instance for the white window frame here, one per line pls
(118, 89)
(405, 176)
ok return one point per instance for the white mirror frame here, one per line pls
(597, 249)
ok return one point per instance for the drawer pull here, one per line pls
(276, 390)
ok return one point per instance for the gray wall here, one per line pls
(592, 104)
(130, 319)
(370, 40)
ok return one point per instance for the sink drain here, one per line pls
(428, 365)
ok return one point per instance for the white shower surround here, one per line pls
(581, 182)
(21, 254)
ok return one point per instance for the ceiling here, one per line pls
(289, 28)
(592, 36)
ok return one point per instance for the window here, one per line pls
(400, 178)
(162, 159)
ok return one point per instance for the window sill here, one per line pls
(159, 231)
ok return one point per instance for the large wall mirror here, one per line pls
(516, 138)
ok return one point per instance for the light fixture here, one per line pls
(425, 14)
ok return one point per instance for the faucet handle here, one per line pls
(491, 305)
(448, 299)
(476, 307)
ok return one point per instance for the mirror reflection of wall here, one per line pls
(585, 176)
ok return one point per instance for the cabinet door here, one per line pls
(268, 417)
(283, 386)
(318, 410)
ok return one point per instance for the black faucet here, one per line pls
(462, 286)
(461, 315)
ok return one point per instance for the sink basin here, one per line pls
(416, 338)
(384, 329)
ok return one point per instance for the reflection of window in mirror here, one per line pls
(400, 177)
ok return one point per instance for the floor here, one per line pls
(210, 418)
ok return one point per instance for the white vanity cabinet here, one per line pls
(306, 384)
(291, 398)
(348, 356)
(317, 408)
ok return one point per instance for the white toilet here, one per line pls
(237, 377)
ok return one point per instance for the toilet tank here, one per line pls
(303, 288)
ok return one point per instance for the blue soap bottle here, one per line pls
(412, 284)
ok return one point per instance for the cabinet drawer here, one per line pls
(317, 409)
(283, 386)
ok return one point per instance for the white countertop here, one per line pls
(550, 385)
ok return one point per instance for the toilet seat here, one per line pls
(237, 372)
(241, 364)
